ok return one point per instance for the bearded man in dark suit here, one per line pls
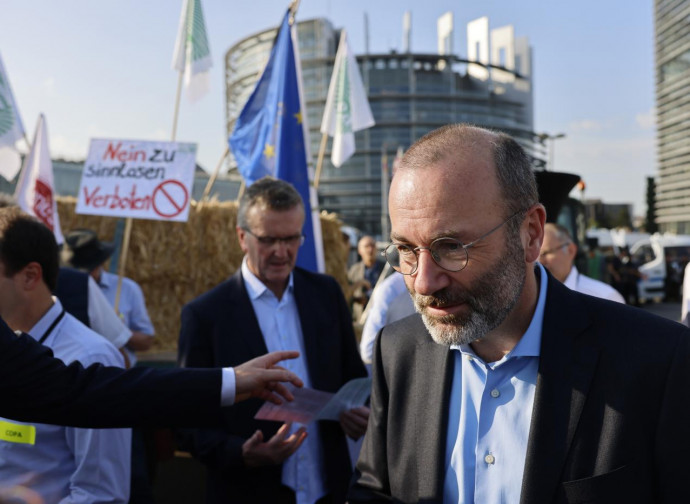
(509, 387)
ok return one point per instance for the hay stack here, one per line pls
(176, 262)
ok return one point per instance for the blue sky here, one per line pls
(103, 69)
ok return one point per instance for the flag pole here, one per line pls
(294, 5)
(129, 220)
(212, 180)
(177, 106)
(240, 193)
(319, 162)
(123, 262)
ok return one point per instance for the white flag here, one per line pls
(11, 128)
(35, 191)
(347, 108)
(192, 54)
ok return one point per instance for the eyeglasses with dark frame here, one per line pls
(448, 253)
(269, 241)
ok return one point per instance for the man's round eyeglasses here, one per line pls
(449, 253)
(269, 241)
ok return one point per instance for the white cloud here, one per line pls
(160, 134)
(586, 125)
(646, 120)
(66, 148)
(48, 86)
(96, 131)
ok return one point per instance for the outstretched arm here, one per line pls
(36, 387)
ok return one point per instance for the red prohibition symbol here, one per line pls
(170, 198)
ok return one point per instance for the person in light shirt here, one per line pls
(557, 255)
(84, 251)
(38, 388)
(62, 464)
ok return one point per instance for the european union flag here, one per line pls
(268, 138)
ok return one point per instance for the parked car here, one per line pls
(661, 258)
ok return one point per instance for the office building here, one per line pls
(410, 94)
(672, 27)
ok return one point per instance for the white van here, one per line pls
(662, 258)
(612, 240)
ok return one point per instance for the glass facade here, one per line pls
(410, 94)
(672, 26)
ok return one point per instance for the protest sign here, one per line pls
(137, 179)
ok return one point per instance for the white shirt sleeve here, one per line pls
(384, 293)
(103, 318)
(686, 296)
(227, 389)
(102, 457)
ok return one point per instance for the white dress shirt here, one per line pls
(281, 328)
(103, 319)
(66, 464)
(578, 282)
(384, 293)
(132, 306)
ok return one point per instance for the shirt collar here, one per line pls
(571, 279)
(255, 287)
(530, 343)
(46, 320)
(105, 279)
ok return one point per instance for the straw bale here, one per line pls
(174, 262)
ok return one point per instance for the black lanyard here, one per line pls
(52, 326)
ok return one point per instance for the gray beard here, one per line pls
(491, 299)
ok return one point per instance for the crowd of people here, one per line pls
(501, 373)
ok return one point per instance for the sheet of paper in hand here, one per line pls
(310, 404)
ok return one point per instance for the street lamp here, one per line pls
(545, 136)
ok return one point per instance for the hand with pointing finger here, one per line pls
(262, 378)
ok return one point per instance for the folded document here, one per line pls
(311, 404)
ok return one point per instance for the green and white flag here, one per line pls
(11, 128)
(347, 108)
(192, 53)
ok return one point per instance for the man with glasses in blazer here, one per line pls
(508, 386)
(270, 304)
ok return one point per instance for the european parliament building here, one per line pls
(672, 27)
(409, 93)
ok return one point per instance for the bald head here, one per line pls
(557, 251)
(456, 144)
(366, 248)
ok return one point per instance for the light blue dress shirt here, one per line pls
(280, 325)
(132, 306)
(489, 418)
(70, 465)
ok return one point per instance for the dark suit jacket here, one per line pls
(36, 387)
(219, 329)
(611, 421)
